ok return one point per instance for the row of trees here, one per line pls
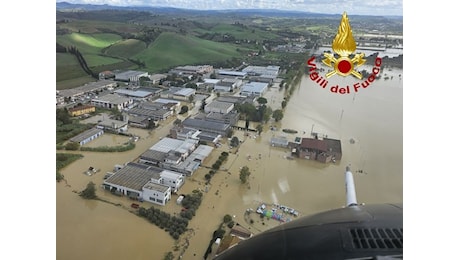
(244, 174)
(175, 226)
(73, 50)
(222, 158)
(261, 113)
(218, 233)
(191, 203)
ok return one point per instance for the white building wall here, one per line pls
(155, 196)
(171, 179)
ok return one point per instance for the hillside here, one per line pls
(160, 39)
(172, 49)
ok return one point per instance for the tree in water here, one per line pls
(259, 129)
(90, 191)
(278, 115)
(244, 174)
(235, 142)
(169, 256)
(262, 101)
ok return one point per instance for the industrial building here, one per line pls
(112, 101)
(144, 182)
(87, 136)
(254, 89)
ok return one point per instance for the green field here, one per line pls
(243, 33)
(88, 43)
(90, 46)
(90, 26)
(171, 49)
(127, 48)
(67, 67)
(68, 71)
(108, 44)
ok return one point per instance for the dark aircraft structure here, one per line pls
(356, 231)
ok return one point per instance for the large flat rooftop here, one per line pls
(134, 176)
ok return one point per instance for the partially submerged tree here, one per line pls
(259, 129)
(235, 141)
(244, 174)
(278, 115)
(89, 192)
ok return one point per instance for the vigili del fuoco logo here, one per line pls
(343, 62)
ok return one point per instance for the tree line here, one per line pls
(175, 226)
(73, 50)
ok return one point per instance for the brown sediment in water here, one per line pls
(373, 118)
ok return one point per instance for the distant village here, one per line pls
(210, 94)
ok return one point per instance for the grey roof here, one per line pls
(208, 137)
(128, 74)
(232, 99)
(254, 87)
(185, 92)
(112, 123)
(169, 144)
(86, 134)
(219, 105)
(202, 151)
(157, 187)
(153, 155)
(204, 125)
(158, 76)
(268, 71)
(112, 98)
(232, 73)
(92, 86)
(134, 176)
(148, 112)
(133, 93)
(137, 119)
(150, 89)
(166, 101)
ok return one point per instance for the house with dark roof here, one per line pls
(323, 150)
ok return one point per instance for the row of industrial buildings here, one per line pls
(159, 171)
(162, 169)
(252, 80)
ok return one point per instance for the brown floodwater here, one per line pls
(372, 118)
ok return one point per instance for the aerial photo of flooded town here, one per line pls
(183, 132)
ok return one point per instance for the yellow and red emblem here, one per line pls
(344, 45)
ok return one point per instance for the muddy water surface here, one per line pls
(372, 118)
